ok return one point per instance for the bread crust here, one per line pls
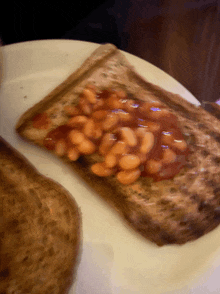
(40, 229)
(167, 212)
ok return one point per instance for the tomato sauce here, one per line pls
(151, 116)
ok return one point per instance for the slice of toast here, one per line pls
(40, 229)
(171, 211)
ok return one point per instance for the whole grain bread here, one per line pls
(166, 212)
(40, 229)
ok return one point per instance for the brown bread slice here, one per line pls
(40, 229)
(167, 212)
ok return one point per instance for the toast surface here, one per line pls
(40, 229)
(167, 212)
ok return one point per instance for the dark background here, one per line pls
(34, 20)
(180, 37)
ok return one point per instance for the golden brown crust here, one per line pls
(95, 60)
(40, 229)
(172, 211)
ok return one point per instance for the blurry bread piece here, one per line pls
(40, 229)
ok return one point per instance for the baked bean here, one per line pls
(153, 166)
(119, 148)
(128, 177)
(85, 107)
(60, 147)
(97, 133)
(144, 108)
(180, 144)
(147, 142)
(153, 127)
(101, 170)
(90, 95)
(73, 154)
(124, 116)
(99, 104)
(130, 105)
(140, 132)
(114, 102)
(150, 126)
(110, 122)
(107, 142)
(129, 136)
(89, 128)
(167, 138)
(76, 137)
(99, 114)
(169, 156)
(86, 147)
(77, 121)
(110, 160)
(130, 161)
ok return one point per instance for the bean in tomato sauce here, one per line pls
(135, 138)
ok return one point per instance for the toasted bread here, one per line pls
(40, 229)
(172, 211)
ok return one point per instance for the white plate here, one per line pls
(115, 259)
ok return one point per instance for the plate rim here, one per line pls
(49, 42)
